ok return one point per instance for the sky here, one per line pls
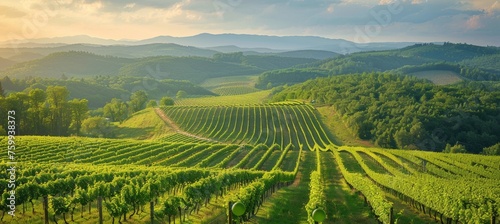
(469, 21)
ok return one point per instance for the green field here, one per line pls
(439, 77)
(249, 98)
(187, 162)
(231, 85)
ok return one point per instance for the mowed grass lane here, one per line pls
(286, 206)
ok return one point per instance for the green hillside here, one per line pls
(68, 63)
(404, 112)
(99, 90)
(226, 152)
(123, 51)
(5, 63)
(466, 60)
(439, 77)
(316, 54)
(283, 124)
(144, 124)
(195, 69)
(232, 85)
(488, 62)
(446, 52)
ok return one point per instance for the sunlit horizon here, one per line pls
(473, 22)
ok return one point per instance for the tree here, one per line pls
(79, 109)
(152, 103)
(116, 110)
(60, 117)
(166, 101)
(138, 100)
(403, 139)
(96, 127)
(492, 150)
(457, 148)
(37, 112)
(19, 103)
(2, 92)
(181, 94)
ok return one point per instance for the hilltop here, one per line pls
(467, 61)
(196, 69)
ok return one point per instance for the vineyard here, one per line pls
(283, 124)
(278, 160)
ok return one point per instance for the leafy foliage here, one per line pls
(406, 112)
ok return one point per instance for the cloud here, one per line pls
(474, 22)
(419, 19)
(10, 12)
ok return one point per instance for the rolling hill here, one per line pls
(196, 69)
(463, 59)
(5, 63)
(70, 64)
(249, 41)
(123, 51)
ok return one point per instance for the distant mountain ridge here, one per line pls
(206, 40)
(123, 51)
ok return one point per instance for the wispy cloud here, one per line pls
(10, 12)
(418, 19)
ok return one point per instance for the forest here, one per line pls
(99, 90)
(469, 61)
(397, 111)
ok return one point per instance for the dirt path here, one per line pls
(176, 128)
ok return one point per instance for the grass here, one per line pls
(287, 205)
(228, 80)
(343, 205)
(439, 77)
(341, 133)
(144, 124)
(231, 85)
(250, 98)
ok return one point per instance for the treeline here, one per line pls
(50, 112)
(420, 57)
(44, 112)
(397, 111)
(473, 73)
(279, 77)
(100, 89)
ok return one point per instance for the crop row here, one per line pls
(281, 124)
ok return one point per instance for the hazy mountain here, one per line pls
(205, 40)
(67, 63)
(58, 41)
(25, 56)
(284, 43)
(316, 54)
(5, 63)
(124, 51)
(233, 48)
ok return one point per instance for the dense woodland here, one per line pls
(405, 112)
(99, 90)
(469, 61)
